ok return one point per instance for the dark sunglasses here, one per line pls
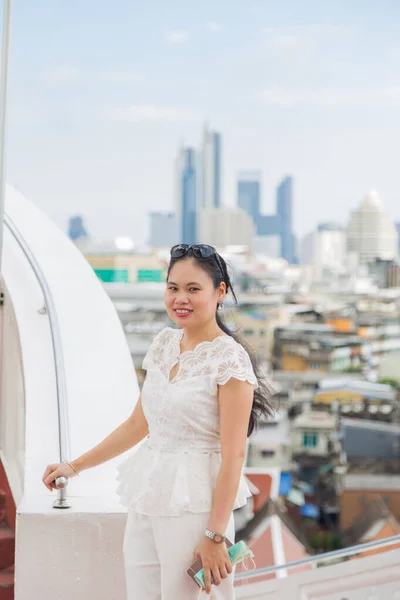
(201, 251)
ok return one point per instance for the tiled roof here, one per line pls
(370, 523)
(274, 538)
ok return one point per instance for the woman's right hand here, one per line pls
(56, 470)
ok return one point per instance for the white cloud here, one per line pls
(303, 37)
(285, 40)
(276, 95)
(177, 37)
(148, 112)
(69, 75)
(213, 27)
(118, 77)
(62, 74)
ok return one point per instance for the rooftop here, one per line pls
(375, 425)
(371, 481)
(317, 327)
(370, 523)
(371, 201)
(366, 389)
(374, 466)
(309, 419)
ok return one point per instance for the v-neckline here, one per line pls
(181, 355)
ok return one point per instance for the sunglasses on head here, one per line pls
(201, 251)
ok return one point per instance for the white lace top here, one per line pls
(175, 469)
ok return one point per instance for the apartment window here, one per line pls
(310, 440)
(313, 365)
(248, 331)
(267, 453)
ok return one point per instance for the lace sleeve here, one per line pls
(148, 359)
(235, 362)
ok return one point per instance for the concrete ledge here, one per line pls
(72, 553)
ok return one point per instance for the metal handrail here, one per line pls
(50, 309)
(327, 556)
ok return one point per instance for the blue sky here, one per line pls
(101, 94)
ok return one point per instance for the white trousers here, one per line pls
(157, 552)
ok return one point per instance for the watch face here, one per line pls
(218, 538)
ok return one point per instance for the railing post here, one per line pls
(61, 502)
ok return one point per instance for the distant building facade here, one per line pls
(76, 228)
(210, 179)
(311, 346)
(269, 245)
(249, 194)
(278, 224)
(186, 192)
(386, 273)
(366, 439)
(307, 248)
(330, 249)
(164, 231)
(398, 236)
(324, 248)
(226, 227)
(371, 232)
(284, 211)
(269, 225)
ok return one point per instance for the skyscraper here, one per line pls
(187, 195)
(249, 194)
(210, 180)
(284, 211)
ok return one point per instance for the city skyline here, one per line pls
(93, 124)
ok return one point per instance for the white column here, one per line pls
(3, 102)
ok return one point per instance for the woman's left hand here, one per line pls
(215, 560)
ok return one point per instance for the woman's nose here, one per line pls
(181, 298)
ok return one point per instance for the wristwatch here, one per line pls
(216, 537)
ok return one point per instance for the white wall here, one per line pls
(12, 400)
(102, 391)
(389, 366)
(70, 554)
(297, 442)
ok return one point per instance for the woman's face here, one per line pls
(190, 297)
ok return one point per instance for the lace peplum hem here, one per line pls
(161, 482)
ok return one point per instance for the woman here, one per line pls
(201, 398)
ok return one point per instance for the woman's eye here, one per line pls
(194, 289)
(172, 288)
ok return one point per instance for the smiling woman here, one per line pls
(201, 398)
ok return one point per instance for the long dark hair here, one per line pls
(262, 403)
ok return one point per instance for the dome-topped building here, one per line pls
(372, 201)
(371, 232)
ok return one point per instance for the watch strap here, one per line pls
(215, 536)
